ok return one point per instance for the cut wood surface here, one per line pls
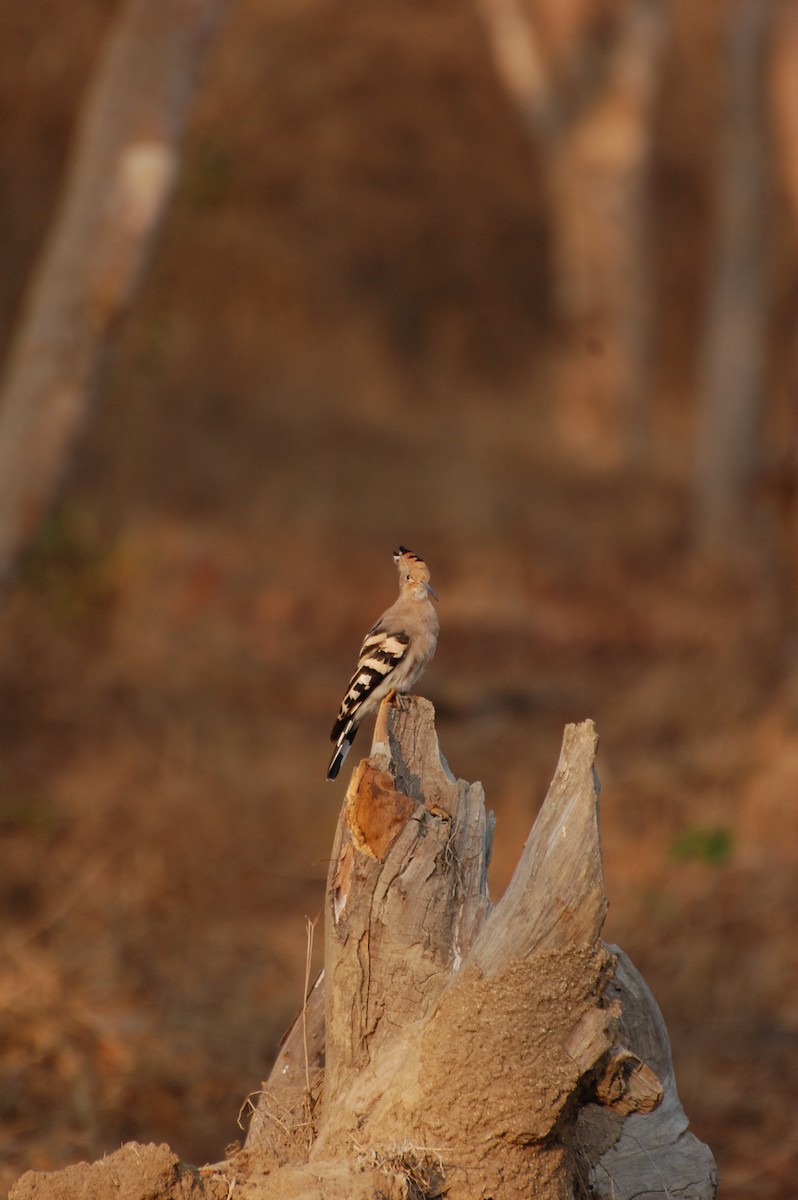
(455, 1047)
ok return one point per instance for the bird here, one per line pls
(394, 653)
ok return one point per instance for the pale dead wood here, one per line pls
(589, 1040)
(556, 896)
(462, 1049)
(627, 1085)
(407, 884)
(286, 1102)
(121, 175)
(469, 1035)
(650, 1156)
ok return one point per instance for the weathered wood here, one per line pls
(456, 1048)
(407, 885)
(486, 1050)
(627, 1085)
(466, 1035)
(653, 1156)
(282, 1120)
(556, 895)
(450, 1079)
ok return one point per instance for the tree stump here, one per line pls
(453, 1047)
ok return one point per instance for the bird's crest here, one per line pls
(411, 567)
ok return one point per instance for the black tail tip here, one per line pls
(336, 760)
(340, 753)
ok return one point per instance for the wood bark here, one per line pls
(121, 176)
(452, 1047)
(458, 1047)
(657, 1156)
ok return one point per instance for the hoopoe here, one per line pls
(394, 653)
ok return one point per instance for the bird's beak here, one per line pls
(432, 591)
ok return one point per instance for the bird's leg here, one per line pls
(401, 700)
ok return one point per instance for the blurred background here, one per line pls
(513, 283)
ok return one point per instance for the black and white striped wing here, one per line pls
(380, 655)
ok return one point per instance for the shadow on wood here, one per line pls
(453, 1047)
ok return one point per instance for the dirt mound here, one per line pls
(135, 1172)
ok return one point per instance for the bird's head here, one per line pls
(413, 573)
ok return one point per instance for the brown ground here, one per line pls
(131, 1172)
(344, 344)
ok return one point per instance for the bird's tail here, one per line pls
(341, 751)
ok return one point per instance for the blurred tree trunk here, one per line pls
(784, 476)
(593, 131)
(729, 442)
(784, 78)
(123, 168)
